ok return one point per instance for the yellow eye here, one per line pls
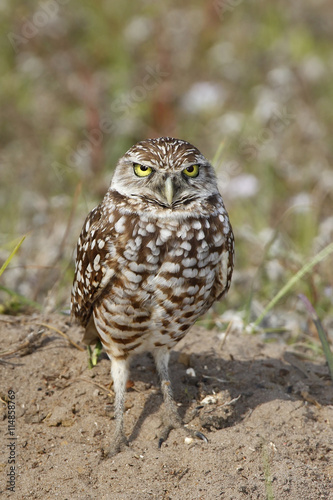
(142, 170)
(191, 171)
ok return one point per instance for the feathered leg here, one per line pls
(119, 372)
(171, 419)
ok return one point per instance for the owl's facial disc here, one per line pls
(165, 173)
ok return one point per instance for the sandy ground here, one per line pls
(268, 417)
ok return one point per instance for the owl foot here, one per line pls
(119, 444)
(189, 432)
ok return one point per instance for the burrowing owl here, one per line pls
(151, 258)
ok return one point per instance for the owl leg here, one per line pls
(172, 419)
(119, 372)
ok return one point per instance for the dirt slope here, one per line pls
(268, 417)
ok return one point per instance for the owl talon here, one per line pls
(201, 436)
(190, 432)
(165, 434)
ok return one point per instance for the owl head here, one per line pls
(166, 172)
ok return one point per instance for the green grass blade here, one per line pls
(218, 154)
(267, 472)
(7, 262)
(21, 298)
(94, 354)
(321, 332)
(305, 269)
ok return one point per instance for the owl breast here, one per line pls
(170, 271)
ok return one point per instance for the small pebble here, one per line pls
(208, 400)
(190, 372)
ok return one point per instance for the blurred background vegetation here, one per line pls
(248, 82)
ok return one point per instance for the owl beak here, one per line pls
(169, 190)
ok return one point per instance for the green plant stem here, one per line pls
(321, 332)
(21, 298)
(305, 269)
(267, 472)
(13, 252)
(218, 153)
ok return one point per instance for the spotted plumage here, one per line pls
(151, 258)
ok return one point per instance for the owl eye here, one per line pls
(142, 170)
(191, 171)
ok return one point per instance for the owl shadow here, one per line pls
(217, 393)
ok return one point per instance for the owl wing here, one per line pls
(223, 278)
(96, 264)
(224, 237)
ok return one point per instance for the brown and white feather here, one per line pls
(145, 271)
